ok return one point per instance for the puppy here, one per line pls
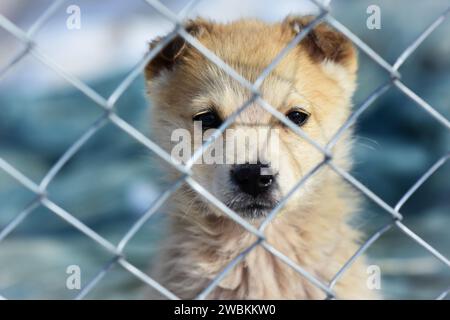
(312, 86)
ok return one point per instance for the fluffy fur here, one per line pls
(312, 229)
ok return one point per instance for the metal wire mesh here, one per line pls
(110, 116)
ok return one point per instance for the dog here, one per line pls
(311, 86)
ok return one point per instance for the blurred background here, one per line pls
(112, 180)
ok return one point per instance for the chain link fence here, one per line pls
(110, 116)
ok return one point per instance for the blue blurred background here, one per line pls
(111, 181)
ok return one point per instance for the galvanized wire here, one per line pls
(110, 116)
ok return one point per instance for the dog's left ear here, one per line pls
(173, 52)
(324, 43)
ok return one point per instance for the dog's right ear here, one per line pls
(174, 51)
(323, 43)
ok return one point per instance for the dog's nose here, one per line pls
(250, 179)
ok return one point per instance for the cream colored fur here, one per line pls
(312, 229)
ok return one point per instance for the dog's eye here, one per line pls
(209, 119)
(298, 116)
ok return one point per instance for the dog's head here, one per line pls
(259, 159)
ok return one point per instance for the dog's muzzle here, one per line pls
(256, 188)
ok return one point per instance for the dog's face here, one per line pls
(258, 160)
